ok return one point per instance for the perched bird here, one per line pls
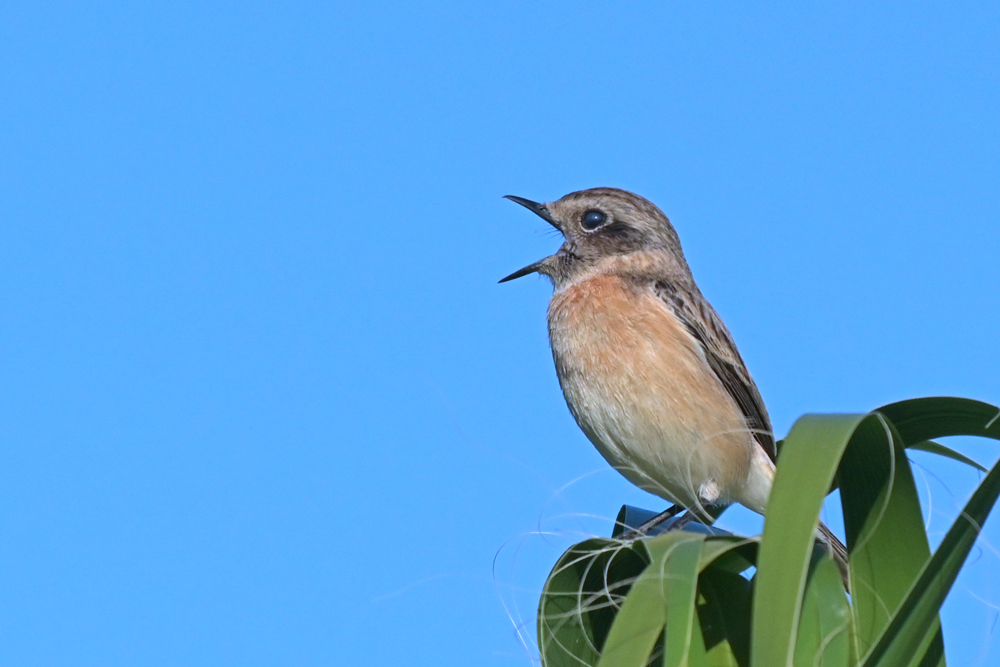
(649, 370)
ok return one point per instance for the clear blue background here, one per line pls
(263, 401)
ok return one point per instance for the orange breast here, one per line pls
(639, 386)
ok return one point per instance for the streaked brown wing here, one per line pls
(706, 326)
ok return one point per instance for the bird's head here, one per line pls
(608, 228)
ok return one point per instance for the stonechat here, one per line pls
(649, 370)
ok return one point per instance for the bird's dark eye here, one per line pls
(593, 219)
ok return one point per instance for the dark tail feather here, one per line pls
(837, 550)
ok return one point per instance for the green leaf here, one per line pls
(725, 601)
(947, 452)
(806, 469)
(664, 594)
(825, 624)
(731, 553)
(913, 627)
(916, 616)
(921, 419)
(724, 609)
(581, 597)
(679, 598)
(885, 528)
(579, 622)
(639, 622)
(638, 625)
(681, 587)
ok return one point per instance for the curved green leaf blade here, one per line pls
(807, 466)
(639, 624)
(921, 419)
(724, 611)
(681, 582)
(912, 626)
(664, 594)
(920, 608)
(825, 625)
(708, 623)
(730, 553)
(725, 601)
(581, 597)
(947, 452)
(884, 524)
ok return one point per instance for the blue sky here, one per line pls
(263, 401)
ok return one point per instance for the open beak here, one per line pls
(541, 212)
(536, 208)
(520, 273)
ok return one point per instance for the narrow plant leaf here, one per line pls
(724, 609)
(680, 574)
(807, 466)
(922, 419)
(793, 604)
(946, 452)
(918, 612)
(884, 524)
(697, 655)
(725, 601)
(731, 553)
(913, 626)
(579, 605)
(644, 613)
(825, 624)
(580, 598)
(640, 623)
